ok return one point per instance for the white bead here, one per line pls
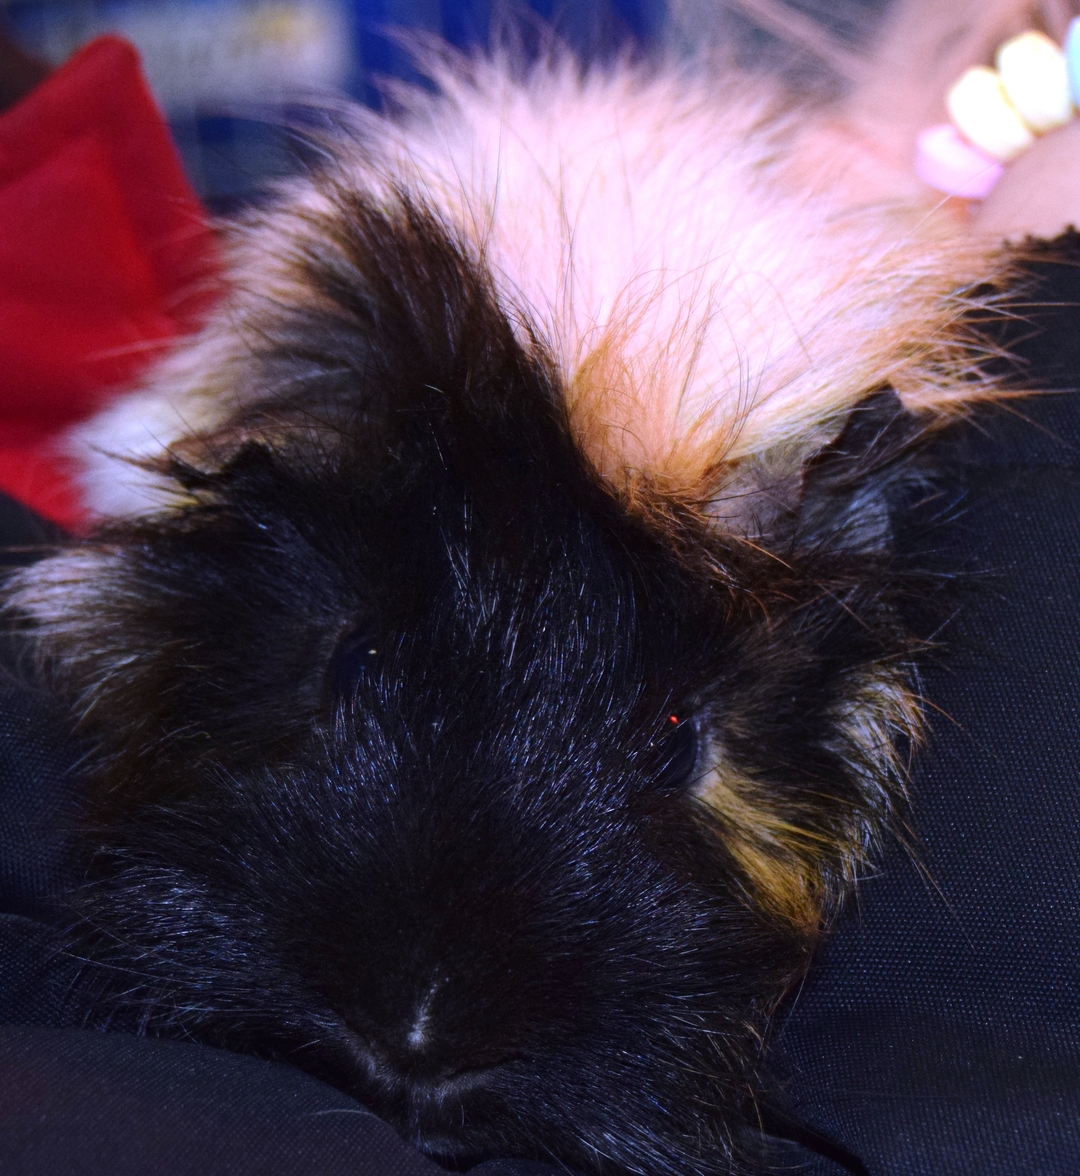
(1035, 77)
(983, 114)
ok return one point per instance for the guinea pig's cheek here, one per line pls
(766, 846)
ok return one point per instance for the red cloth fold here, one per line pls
(106, 255)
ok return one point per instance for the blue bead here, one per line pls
(1072, 58)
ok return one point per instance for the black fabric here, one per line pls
(24, 533)
(939, 1032)
(73, 1101)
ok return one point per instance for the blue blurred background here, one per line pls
(231, 73)
(226, 71)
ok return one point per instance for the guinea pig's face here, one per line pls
(427, 764)
(452, 859)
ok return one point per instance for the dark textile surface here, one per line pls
(940, 1032)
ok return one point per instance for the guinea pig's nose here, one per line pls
(415, 1044)
(418, 1043)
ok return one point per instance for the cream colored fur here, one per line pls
(719, 275)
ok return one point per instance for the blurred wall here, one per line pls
(230, 73)
(226, 71)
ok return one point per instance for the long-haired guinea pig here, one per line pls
(493, 655)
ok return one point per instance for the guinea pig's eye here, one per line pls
(355, 658)
(678, 747)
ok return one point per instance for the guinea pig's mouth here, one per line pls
(442, 1110)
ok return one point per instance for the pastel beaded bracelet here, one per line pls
(998, 113)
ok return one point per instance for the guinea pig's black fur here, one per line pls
(430, 756)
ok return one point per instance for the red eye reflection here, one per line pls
(677, 756)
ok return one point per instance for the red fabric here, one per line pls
(105, 256)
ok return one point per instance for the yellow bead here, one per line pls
(1035, 77)
(983, 114)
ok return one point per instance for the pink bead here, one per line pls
(950, 164)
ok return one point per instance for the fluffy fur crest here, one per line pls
(715, 277)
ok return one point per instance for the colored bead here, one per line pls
(948, 164)
(985, 117)
(1032, 70)
(1072, 58)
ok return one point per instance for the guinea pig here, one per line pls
(493, 655)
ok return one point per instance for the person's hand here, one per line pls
(1039, 194)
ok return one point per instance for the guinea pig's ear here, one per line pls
(828, 491)
(843, 495)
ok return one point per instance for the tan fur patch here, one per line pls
(795, 867)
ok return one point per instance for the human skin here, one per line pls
(1039, 195)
